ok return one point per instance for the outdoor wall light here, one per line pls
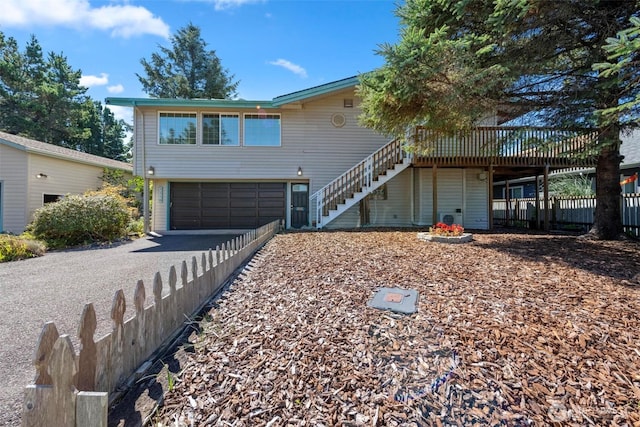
(482, 176)
(41, 175)
(151, 170)
(299, 171)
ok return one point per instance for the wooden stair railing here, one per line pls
(359, 178)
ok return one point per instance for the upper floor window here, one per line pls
(221, 129)
(177, 128)
(262, 130)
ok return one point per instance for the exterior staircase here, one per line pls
(351, 187)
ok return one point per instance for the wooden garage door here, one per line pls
(221, 205)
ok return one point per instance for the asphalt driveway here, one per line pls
(56, 287)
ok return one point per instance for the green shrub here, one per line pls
(136, 227)
(81, 219)
(13, 248)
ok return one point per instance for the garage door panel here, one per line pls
(243, 195)
(271, 203)
(216, 203)
(243, 203)
(248, 213)
(216, 213)
(226, 205)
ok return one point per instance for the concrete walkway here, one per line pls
(56, 287)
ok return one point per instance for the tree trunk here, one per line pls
(607, 224)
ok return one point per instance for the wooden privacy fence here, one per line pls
(73, 390)
(567, 213)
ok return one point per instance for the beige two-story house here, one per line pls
(303, 158)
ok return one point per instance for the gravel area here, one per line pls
(511, 329)
(56, 287)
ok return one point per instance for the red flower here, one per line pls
(447, 230)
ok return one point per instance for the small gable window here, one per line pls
(262, 130)
(177, 128)
(220, 129)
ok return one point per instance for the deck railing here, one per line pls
(504, 146)
(359, 177)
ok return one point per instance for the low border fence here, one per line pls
(73, 390)
(566, 213)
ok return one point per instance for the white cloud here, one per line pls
(288, 65)
(115, 88)
(121, 113)
(229, 4)
(121, 20)
(90, 81)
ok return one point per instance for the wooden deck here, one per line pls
(511, 151)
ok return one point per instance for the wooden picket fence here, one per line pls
(73, 390)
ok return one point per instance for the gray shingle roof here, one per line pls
(33, 146)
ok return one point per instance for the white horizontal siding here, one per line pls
(309, 141)
(13, 176)
(457, 189)
(349, 219)
(160, 205)
(424, 196)
(396, 209)
(63, 177)
(476, 210)
(450, 191)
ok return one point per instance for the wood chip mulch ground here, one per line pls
(511, 330)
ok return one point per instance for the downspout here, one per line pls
(145, 193)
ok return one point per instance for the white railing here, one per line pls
(567, 213)
(360, 178)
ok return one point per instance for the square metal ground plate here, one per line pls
(395, 299)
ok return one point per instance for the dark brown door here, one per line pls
(299, 205)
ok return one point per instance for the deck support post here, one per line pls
(507, 198)
(145, 205)
(434, 184)
(490, 198)
(546, 198)
(537, 207)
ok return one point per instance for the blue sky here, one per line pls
(273, 47)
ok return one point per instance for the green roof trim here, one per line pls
(315, 91)
(169, 102)
(236, 103)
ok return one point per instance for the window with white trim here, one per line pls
(514, 192)
(177, 128)
(262, 130)
(220, 129)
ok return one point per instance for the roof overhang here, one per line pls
(292, 100)
(188, 103)
(315, 92)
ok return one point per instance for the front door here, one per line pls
(299, 205)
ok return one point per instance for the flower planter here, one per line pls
(429, 237)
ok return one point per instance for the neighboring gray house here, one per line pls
(303, 158)
(33, 173)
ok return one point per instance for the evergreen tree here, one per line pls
(623, 64)
(457, 60)
(114, 132)
(20, 76)
(42, 99)
(187, 70)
